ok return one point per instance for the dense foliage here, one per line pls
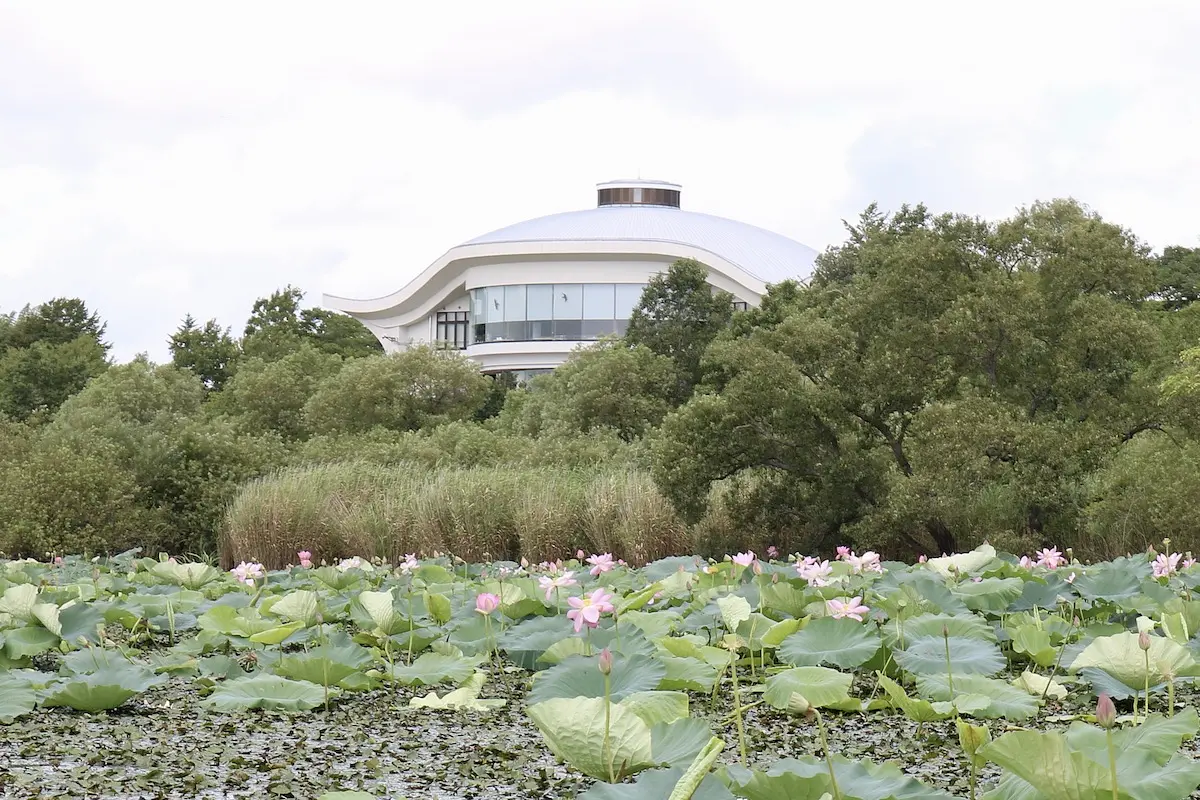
(1038, 678)
(941, 381)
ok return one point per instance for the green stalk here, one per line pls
(837, 793)
(1112, 760)
(1058, 659)
(608, 754)
(1146, 708)
(974, 777)
(1171, 695)
(949, 671)
(737, 705)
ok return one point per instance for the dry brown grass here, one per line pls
(341, 509)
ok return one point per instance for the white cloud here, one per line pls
(160, 162)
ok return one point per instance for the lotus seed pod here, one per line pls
(798, 704)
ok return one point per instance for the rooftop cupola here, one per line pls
(638, 193)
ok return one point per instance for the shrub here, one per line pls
(355, 508)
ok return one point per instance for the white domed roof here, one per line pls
(767, 256)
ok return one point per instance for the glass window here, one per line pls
(595, 328)
(628, 296)
(569, 329)
(598, 301)
(568, 301)
(495, 304)
(539, 302)
(514, 303)
(479, 305)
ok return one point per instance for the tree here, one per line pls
(41, 376)
(1178, 277)
(678, 315)
(270, 395)
(210, 353)
(611, 384)
(277, 326)
(58, 321)
(931, 358)
(418, 388)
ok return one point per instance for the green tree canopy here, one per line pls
(278, 326)
(209, 352)
(678, 315)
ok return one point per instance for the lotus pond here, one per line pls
(977, 674)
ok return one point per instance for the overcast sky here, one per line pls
(158, 162)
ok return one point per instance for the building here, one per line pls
(522, 297)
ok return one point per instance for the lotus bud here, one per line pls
(1076, 621)
(606, 661)
(945, 631)
(1106, 712)
(972, 737)
(757, 567)
(798, 704)
(1144, 640)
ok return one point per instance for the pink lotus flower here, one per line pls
(1025, 563)
(248, 572)
(814, 571)
(1165, 564)
(1187, 563)
(409, 564)
(601, 563)
(921, 559)
(1050, 557)
(843, 553)
(58, 561)
(744, 559)
(486, 603)
(867, 562)
(305, 559)
(586, 610)
(852, 608)
(548, 585)
(579, 554)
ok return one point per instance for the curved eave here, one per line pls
(438, 282)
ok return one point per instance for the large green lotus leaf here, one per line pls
(637, 600)
(774, 635)
(28, 641)
(734, 611)
(658, 784)
(967, 626)
(653, 624)
(230, 621)
(268, 692)
(679, 742)
(573, 728)
(561, 650)
(841, 642)
(1075, 765)
(968, 656)
(657, 707)
(692, 647)
(1004, 700)
(192, 575)
(91, 659)
(300, 606)
(1035, 643)
(439, 607)
(15, 701)
(1181, 619)
(526, 641)
(102, 690)
(687, 674)
(1106, 583)
(1101, 681)
(17, 601)
(820, 686)
(1038, 685)
(962, 563)
(328, 664)
(807, 778)
(786, 596)
(277, 634)
(1121, 657)
(754, 628)
(465, 697)
(27, 678)
(580, 676)
(432, 668)
(990, 594)
(380, 608)
(46, 615)
(917, 709)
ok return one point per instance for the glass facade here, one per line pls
(563, 311)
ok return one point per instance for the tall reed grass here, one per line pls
(341, 509)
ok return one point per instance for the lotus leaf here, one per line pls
(268, 692)
(821, 687)
(18, 601)
(526, 641)
(432, 668)
(968, 656)
(578, 676)
(659, 784)
(1121, 657)
(15, 701)
(687, 674)
(1038, 685)
(963, 563)
(192, 575)
(328, 664)
(917, 709)
(300, 606)
(29, 641)
(102, 690)
(841, 642)
(990, 594)
(1035, 643)
(808, 778)
(786, 596)
(734, 611)
(1003, 699)
(464, 697)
